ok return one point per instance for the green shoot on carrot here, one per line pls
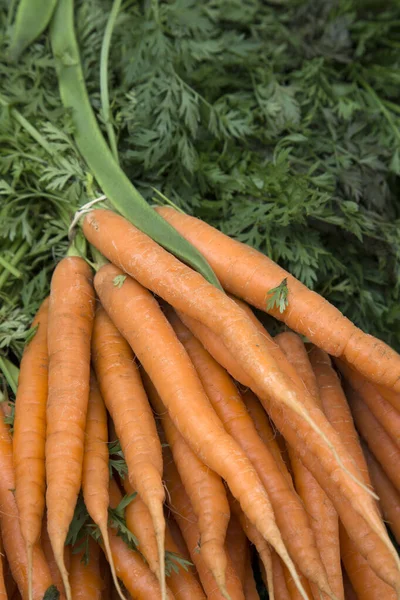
(279, 297)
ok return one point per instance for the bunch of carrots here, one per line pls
(241, 450)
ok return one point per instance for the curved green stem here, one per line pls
(31, 20)
(23, 249)
(122, 195)
(10, 372)
(104, 95)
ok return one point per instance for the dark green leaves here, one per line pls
(278, 297)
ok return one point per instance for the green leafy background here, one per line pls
(277, 122)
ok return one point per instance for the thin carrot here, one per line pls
(280, 587)
(249, 587)
(390, 396)
(126, 401)
(71, 311)
(293, 593)
(225, 399)
(323, 517)
(183, 583)
(382, 410)
(49, 554)
(186, 519)
(389, 497)
(30, 435)
(205, 490)
(251, 275)
(178, 538)
(188, 291)
(349, 592)
(130, 567)
(86, 580)
(95, 471)
(383, 558)
(365, 582)
(140, 319)
(379, 442)
(238, 546)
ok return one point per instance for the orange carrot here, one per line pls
(390, 396)
(140, 319)
(95, 472)
(349, 592)
(382, 410)
(365, 582)
(323, 517)
(251, 275)
(178, 538)
(183, 582)
(280, 587)
(130, 567)
(3, 590)
(126, 401)
(389, 497)
(48, 552)
(86, 580)
(205, 490)
(383, 558)
(379, 442)
(291, 588)
(176, 283)
(238, 547)
(289, 513)
(71, 312)
(186, 519)
(30, 435)
(250, 588)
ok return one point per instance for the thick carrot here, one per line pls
(249, 587)
(49, 554)
(130, 567)
(365, 582)
(188, 291)
(225, 398)
(323, 517)
(29, 436)
(251, 275)
(389, 497)
(379, 442)
(186, 519)
(140, 319)
(205, 490)
(183, 582)
(390, 396)
(382, 410)
(126, 401)
(86, 580)
(375, 545)
(95, 472)
(238, 546)
(71, 311)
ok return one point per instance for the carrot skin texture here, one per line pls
(381, 561)
(86, 580)
(349, 592)
(173, 281)
(29, 435)
(225, 398)
(71, 312)
(323, 517)
(251, 275)
(126, 401)
(238, 546)
(130, 567)
(139, 318)
(48, 552)
(183, 584)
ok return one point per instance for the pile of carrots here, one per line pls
(244, 453)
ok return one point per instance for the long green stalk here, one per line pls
(120, 192)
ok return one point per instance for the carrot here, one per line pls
(382, 410)
(186, 519)
(323, 517)
(225, 399)
(95, 471)
(178, 539)
(379, 442)
(71, 311)
(130, 567)
(349, 592)
(251, 275)
(389, 497)
(205, 490)
(176, 283)
(139, 318)
(365, 582)
(86, 580)
(250, 588)
(238, 547)
(280, 587)
(383, 558)
(390, 396)
(183, 582)
(3, 590)
(126, 401)
(291, 588)
(48, 552)
(30, 435)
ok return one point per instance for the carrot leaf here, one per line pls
(117, 520)
(51, 593)
(79, 522)
(117, 460)
(119, 281)
(174, 562)
(279, 297)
